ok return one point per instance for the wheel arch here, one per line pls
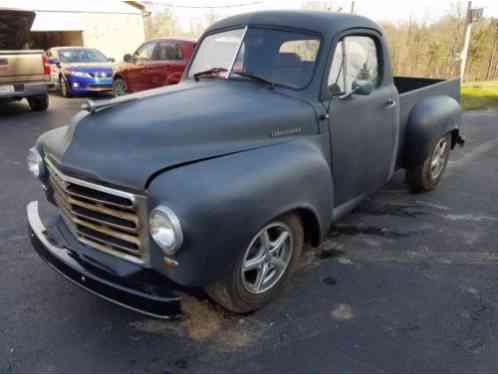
(430, 119)
(313, 231)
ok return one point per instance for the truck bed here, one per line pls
(21, 66)
(413, 90)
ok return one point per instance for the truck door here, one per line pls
(362, 124)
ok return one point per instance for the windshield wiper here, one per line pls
(209, 72)
(257, 78)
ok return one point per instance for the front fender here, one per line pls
(222, 202)
(429, 120)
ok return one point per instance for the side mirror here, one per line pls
(335, 90)
(361, 87)
(110, 59)
(128, 58)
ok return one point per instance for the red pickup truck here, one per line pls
(158, 62)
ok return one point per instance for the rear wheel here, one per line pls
(426, 176)
(38, 103)
(262, 268)
(119, 87)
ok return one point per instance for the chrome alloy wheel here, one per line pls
(439, 158)
(267, 258)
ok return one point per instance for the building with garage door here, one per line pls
(114, 27)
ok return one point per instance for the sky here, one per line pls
(378, 10)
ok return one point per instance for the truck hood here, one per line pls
(14, 28)
(132, 140)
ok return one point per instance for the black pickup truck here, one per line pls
(282, 123)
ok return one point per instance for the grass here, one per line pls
(479, 95)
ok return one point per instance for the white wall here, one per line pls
(113, 34)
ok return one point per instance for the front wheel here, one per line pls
(262, 268)
(426, 176)
(119, 87)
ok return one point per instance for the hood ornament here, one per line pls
(93, 106)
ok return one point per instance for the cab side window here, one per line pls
(355, 59)
(336, 81)
(145, 52)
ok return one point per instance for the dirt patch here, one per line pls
(342, 311)
(203, 319)
(207, 321)
(236, 339)
(344, 260)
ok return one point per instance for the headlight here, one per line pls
(35, 162)
(79, 74)
(165, 229)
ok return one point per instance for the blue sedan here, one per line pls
(76, 70)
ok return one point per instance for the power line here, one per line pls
(170, 5)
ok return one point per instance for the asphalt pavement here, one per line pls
(407, 283)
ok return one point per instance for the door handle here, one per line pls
(390, 103)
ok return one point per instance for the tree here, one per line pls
(161, 23)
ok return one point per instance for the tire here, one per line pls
(244, 290)
(64, 87)
(119, 87)
(426, 176)
(38, 103)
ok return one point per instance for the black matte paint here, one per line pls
(227, 156)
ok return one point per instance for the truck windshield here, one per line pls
(81, 55)
(282, 57)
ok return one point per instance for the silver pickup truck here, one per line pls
(23, 73)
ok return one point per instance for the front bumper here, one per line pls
(87, 85)
(139, 295)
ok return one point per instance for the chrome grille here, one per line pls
(109, 220)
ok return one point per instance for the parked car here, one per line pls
(155, 63)
(78, 70)
(283, 123)
(23, 73)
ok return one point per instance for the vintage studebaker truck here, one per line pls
(283, 123)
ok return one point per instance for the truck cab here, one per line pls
(283, 122)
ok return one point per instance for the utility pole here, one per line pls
(473, 15)
(353, 3)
